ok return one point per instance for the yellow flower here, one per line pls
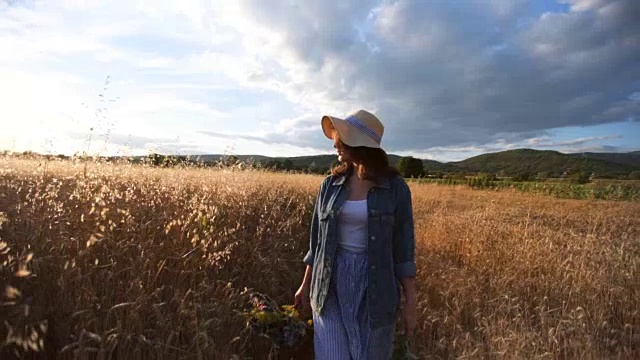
(290, 310)
(266, 317)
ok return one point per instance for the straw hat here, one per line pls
(360, 128)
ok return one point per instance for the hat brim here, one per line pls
(346, 132)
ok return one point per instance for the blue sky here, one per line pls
(449, 79)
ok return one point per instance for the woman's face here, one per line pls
(343, 152)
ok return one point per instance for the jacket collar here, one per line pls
(382, 182)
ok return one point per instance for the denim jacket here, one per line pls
(390, 250)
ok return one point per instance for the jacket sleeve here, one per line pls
(314, 234)
(404, 234)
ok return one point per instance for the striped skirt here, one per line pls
(342, 331)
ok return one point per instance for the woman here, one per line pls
(361, 248)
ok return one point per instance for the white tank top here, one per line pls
(352, 226)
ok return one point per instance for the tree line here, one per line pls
(408, 166)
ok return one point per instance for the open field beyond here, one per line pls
(139, 262)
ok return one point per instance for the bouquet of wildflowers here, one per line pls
(282, 325)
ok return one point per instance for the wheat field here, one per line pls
(126, 261)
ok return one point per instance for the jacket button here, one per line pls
(373, 267)
(373, 238)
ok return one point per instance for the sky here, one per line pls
(448, 79)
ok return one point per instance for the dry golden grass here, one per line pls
(137, 262)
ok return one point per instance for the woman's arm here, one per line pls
(404, 257)
(306, 280)
(301, 298)
(404, 235)
(409, 289)
(302, 295)
(315, 231)
(410, 306)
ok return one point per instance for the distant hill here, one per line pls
(506, 163)
(209, 158)
(503, 163)
(321, 161)
(630, 159)
(433, 166)
(513, 162)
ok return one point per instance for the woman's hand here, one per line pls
(409, 317)
(301, 299)
(410, 306)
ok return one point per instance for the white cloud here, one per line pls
(40, 99)
(440, 75)
(153, 103)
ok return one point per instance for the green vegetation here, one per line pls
(410, 167)
(530, 162)
(564, 189)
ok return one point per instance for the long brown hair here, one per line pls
(372, 163)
